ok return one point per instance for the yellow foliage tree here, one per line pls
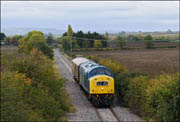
(97, 43)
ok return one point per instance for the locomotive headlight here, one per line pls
(102, 89)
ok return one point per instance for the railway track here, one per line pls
(104, 114)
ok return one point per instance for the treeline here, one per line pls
(154, 99)
(14, 40)
(32, 89)
(73, 40)
(79, 40)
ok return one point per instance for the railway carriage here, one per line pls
(96, 80)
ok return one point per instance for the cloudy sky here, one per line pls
(95, 16)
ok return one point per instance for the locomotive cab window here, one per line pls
(102, 83)
(100, 71)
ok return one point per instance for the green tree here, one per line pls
(50, 39)
(86, 43)
(7, 40)
(2, 36)
(35, 39)
(121, 42)
(65, 43)
(97, 44)
(107, 36)
(148, 42)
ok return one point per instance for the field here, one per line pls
(152, 62)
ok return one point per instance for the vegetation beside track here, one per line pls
(32, 89)
(152, 98)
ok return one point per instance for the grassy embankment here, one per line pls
(32, 88)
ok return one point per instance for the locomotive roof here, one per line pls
(79, 60)
(90, 65)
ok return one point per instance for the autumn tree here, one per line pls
(35, 39)
(97, 44)
(69, 35)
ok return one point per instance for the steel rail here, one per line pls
(67, 65)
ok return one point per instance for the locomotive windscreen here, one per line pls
(100, 71)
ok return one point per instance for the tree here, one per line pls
(2, 36)
(148, 42)
(97, 43)
(65, 43)
(14, 40)
(70, 31)
(107, 36)
(7, 40)
(132, 38)
(35, 39)
(50, 40)
(69, 35)
(139, 36)
(86, 43)
(121, 42)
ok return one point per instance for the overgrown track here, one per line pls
(104, 114)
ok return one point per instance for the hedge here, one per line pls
(38, 87)
(152, 98)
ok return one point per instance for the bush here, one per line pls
(163, 98)
(148, 42)
(122, 81)
(136, 94)
(12, 91)
(45, 95)
(156, 99)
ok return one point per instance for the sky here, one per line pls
(102, 16)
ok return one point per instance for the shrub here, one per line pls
(148, 42)
(122, 81)
(163, 99)
(156, 99)
(45, 93)
(115, 67)
(12, 91)
(136, 94)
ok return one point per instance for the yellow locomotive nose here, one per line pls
(101, 84)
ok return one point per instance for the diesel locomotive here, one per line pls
(96, 80)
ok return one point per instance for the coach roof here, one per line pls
(79, 60)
